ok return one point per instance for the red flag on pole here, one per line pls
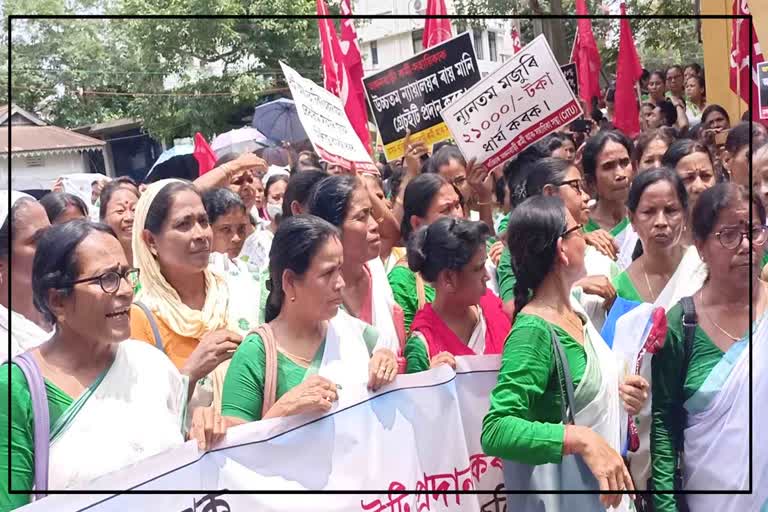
(742, 77)
(628, 71)
(354, 64)
(586, 56)
(336, 75)
(436, 30)
(205, 156)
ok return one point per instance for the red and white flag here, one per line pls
(436, 30)
(742, 77)
(336, 73)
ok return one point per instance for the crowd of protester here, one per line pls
(191, 307)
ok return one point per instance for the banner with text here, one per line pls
(411, 94)
(323, 118)
(762, 81)
(420, 434)
(572, 77)
(526, 98)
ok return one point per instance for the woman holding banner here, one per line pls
(608, 171)
(465, 317)
(427, 198)
(344, 202)
(701, 376)
(297, 361)
(110, 401)
(552, 350)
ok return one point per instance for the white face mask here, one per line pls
(274, 209)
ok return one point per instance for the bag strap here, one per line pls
(567, 404)
(270, 367)
(690, 320)
(42, 422)
(152, 325)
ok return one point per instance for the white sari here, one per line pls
(135, 410)
(597, 264)
(382, 305)
(716, 450)
(24, 334)
(631, 333)
(627, 241)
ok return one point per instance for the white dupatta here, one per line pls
(382, 305)
(716, 450)
(627, 241)
(137, 410)
(631, 332)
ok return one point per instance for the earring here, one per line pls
(293, 299)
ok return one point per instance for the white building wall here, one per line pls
(24, 176)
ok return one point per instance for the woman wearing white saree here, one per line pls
(111, 401)
(293, 363)
(659, 277)
(701, 393)
(22, 227)
(524, 425)
(344, 202)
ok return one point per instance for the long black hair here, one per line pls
(446, 244)
(56, 202)
(55, 265)
(517, 170)
(419, 194)
(300, 188)
(534, 227)
(296, 242)
(330, 198)
(547, 171)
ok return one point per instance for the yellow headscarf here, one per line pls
(160, 297)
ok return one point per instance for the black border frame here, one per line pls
(11, 18)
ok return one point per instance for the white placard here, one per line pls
(526, 98)
(326, 124)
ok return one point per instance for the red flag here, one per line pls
(205, 156)
(436, 30)
(516, 45)
(336, 75)
(741, 76)
(586, 56)
(628, 70)
(354, 64)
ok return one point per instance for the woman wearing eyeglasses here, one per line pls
(111, 401)
(701, 387)
(525, 422)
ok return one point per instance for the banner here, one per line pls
(411, 94)
(422, 433)
(572, 77)
(328, 128)
(762, 80)
(526, 98)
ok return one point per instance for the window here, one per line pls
(478, 39)
(492, 46)
(374, 53)
(416, 39)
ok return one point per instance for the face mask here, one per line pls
(274, 209)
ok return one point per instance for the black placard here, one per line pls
(572, 77)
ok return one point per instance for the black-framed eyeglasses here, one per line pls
(576, 184)
(110, 281)
(567, 232)
(730, 238)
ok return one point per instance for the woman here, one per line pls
(22, 227)
(116, 210)
(697, 101)
(103, 417)
(465, 317)
(344, 202)
(760, 188)
(229, 221)
(693, 163)
(427, 198)
(558, 177)
(62, 207)
(304, 327)
(299, 190)
(693, 70)
(650, 147)
(256, 247)
(656, 88)
(737, 147)
(524, 423)
(714, 119)
(188, 310)
(608, 172)
(675, 82)
(701, 385)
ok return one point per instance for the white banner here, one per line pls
(326, 124)
(522, 101)
(420, 434)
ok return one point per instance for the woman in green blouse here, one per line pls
(701, 395)
(524, 424)
(427, 198)
(304, 325)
